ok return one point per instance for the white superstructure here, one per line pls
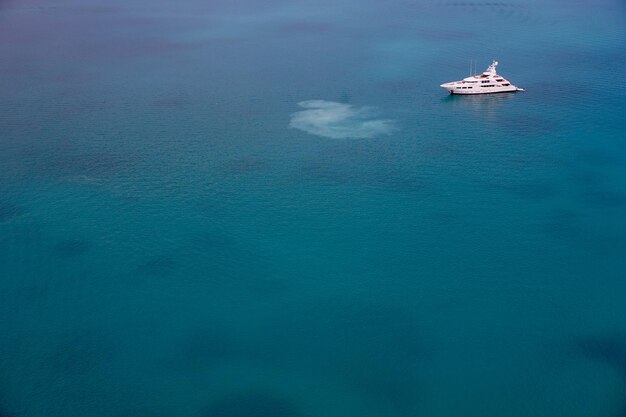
(486, 83)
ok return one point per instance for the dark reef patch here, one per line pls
(444, 35)
(563, 224)
(480, 4)
(604, 198)
(506, 10)
(602, 159)
(9, 211)
(570, 227)
(132, 49)
(399, 87)
(354, 335)
(306, 27)
(383, 332)
(234, 264)
(171, 101)
(336, 174)
(214, 241)
(556, 93)
(529, 125)
(252, 404)
(81, 352)
(359, 163)
(394, 181)
(395, 389)
(535, 190)
(72, 247)
(159, 265)
(207, 347)
(23, 236)
(89, 164)
(588, 180)
(243, 166)
(69, 161)
(377, 349)
(212, 344)
(530, 190)
(609, 349)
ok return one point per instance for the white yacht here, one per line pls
(486, 83)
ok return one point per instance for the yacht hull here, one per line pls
(489, 82)
(464, 93)
(477, 90)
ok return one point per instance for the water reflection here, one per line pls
(488, 105)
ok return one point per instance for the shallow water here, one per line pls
(240, 209)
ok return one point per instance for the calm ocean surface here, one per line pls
(271, 209)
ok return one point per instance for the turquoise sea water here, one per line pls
(271, 209)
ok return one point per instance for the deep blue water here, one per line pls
(271, 209)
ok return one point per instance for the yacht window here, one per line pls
(506, 84)
(499, 79)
